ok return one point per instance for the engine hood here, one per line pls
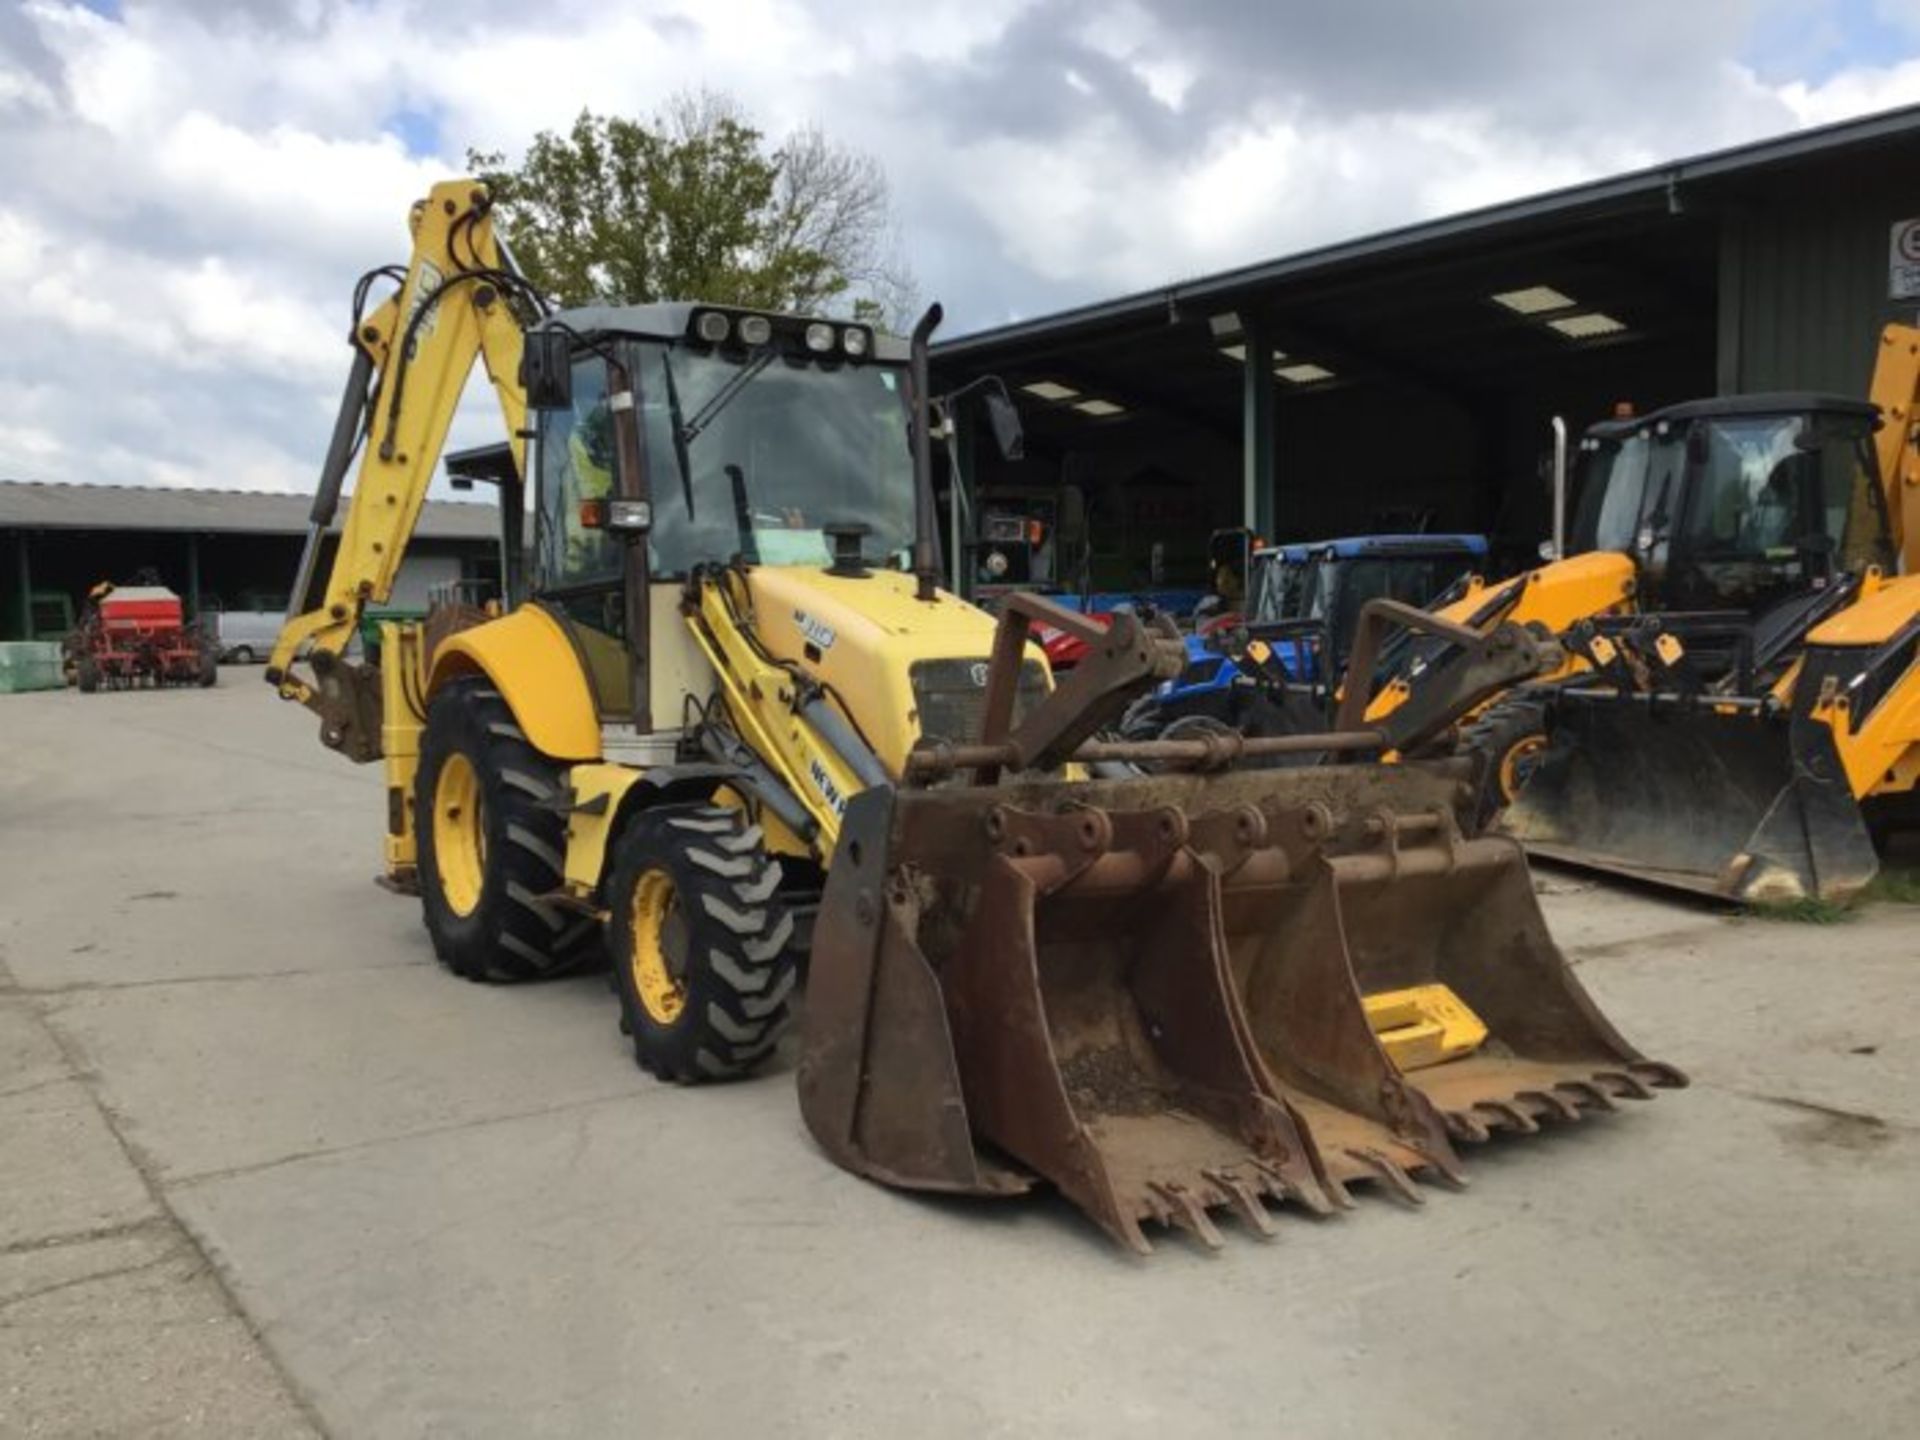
(868, 639)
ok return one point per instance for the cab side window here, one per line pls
(576, 465)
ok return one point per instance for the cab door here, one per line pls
(577, 563)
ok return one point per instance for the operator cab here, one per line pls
(676, 435)
(1326, 583)
(1749, 518)
(1736, 504)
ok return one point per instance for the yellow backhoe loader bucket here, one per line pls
(1731, 802)
(1176, 995)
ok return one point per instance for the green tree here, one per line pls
(692, 204)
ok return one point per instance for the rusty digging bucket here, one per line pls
(1159, 994)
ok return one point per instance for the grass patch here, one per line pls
(1894, 885)
(1804, 911)
(1897, 885)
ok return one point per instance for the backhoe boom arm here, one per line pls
(412, 357)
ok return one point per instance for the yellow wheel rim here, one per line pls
(459, 834)
(657, 933)
(1518, 763)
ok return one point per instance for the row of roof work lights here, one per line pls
(1290, 368)
(1545, 304)
(1054, 392)
(1559, 311)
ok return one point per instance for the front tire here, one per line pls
(86, 674)
(1508, 737)
(491, 844)
(699, 943)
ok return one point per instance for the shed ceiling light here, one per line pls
(1534, 300)
(1235, 352)
(1100, 408)
(1587, 326)
(1224, 324)
(1050, 390)
(1304, 373)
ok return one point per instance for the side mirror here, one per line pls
(1005, 420)
(546, 369)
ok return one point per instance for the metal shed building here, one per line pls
(1408, 379)
(216, 548)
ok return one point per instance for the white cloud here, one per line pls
(1858, 91)
(187, 191)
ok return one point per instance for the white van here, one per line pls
(245, 636)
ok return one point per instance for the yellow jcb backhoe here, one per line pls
(1738, 707)
(724, 732)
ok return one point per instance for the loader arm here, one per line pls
(1896, 390)
(411, 359)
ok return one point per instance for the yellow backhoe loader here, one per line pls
(1738, 707)
(724, 732)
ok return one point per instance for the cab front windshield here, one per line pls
(1612, 484)
(1277, 588)
(798, 446)
(1769, 488)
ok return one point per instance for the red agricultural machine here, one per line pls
(133, 635)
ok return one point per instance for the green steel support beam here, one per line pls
(193, 577)
(1256, 423)
(26, 588)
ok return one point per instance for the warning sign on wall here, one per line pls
(1903, 261)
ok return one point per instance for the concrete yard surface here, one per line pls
(269, 1171)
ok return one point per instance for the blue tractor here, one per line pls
(1255, 671)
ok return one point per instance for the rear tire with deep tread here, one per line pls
(736, 954)
(512, 932)
(1507, 738)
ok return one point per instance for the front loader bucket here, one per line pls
(1732, 804)
(1443, 930)
(1177, 994)
(1040, 979)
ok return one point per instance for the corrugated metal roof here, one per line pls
(38, 505)
(1658, 186)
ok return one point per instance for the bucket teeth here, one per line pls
(1659, 1074)
(1589, 1091)
(1244, 1199)
(1506, 1115)
(1551, 1100)
(1322, 1194)
(1462, 1126)
(1180, 1206)
(1622, 1082)
(1396, 1178)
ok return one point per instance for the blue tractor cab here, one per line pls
(1303, 608)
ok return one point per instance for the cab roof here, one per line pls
(1355, 546)
(1780, 402)
(670, 320)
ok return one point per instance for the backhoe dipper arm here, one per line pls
(411, 360)
(1896, 390)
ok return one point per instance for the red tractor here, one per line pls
(132, 635)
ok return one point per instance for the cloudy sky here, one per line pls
(188, 188)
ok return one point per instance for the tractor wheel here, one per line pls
(1509, 737)
(700, 944)
(86, 674)
(491, 843)
(209, 669)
